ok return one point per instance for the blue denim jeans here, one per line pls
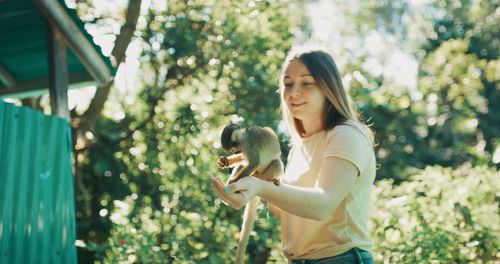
(353, 256)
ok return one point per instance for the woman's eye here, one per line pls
(288, 85)
(306, 84)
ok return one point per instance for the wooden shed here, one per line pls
(43, 48)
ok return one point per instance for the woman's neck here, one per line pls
(310, 127)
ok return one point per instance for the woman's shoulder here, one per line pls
(349, 130)
(348, 126)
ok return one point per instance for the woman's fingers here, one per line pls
(217, 192)
(228, 198)
(235, 200)
(218, 188)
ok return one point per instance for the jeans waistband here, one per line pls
(354, 255)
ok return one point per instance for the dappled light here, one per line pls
(424, 75)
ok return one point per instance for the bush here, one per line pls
(441, 215)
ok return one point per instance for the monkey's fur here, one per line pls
(256, 151)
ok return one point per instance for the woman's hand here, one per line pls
(238, 193)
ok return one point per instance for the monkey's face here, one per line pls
(235, 140)
(230, 138)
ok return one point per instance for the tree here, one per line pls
(451, 118)
(462, 54)
(203, 65)
(84, 123)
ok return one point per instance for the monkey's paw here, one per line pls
(223, 162)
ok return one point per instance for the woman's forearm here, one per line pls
(310, 203)
(335, 180)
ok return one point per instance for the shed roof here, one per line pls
(24, 52)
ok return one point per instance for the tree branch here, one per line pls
(89, 118)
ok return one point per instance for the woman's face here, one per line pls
(302, 95)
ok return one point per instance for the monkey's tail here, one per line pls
(248, 218)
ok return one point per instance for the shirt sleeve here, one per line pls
(349, 143)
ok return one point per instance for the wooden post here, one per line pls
(81, 47)
(58, 72)
(7, 78)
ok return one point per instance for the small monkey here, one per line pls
(256, 151)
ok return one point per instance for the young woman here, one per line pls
(324, 195)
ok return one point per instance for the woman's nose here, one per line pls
(295, 89)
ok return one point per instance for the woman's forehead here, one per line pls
(296, 69)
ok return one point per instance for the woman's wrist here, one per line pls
(259, 184)
(263, 186)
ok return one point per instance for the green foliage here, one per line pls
(440, 215)
(204, 64)
(453, 117)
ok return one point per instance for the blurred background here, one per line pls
(424, 74)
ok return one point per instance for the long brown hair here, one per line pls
(339, 107)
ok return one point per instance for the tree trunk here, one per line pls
(86, 122)
(89, 118)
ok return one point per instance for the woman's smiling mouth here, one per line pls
(297, 104)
